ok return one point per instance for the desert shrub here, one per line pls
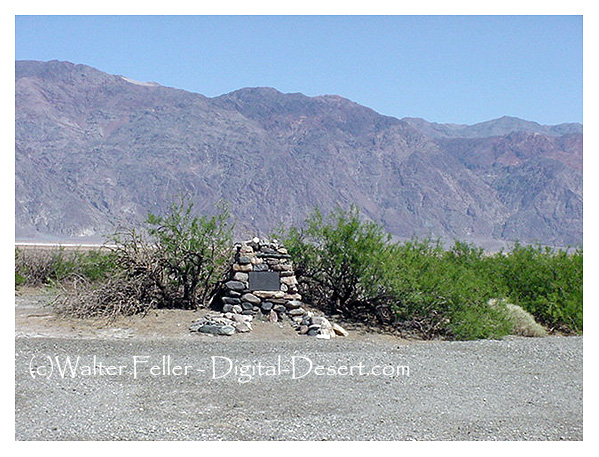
(542, 281)
(119, 295)
(19, 279)
(479, 321)
(339, 259)
(443, 293)
(191, 254)
(174, 261)
(347, 265)
(95, 265)
(36, 267)
(547, 283)
(523, 322)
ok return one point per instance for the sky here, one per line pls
(448, 69)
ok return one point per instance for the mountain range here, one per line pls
(93, 150)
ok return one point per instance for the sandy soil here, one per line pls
(34, 318)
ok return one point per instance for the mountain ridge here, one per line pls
(506, 123)
(92, 146)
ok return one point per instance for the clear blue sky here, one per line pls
(460, 69)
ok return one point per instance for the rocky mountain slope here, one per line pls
(94, 149)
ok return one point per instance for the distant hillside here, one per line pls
(92, 148)
(497, 127)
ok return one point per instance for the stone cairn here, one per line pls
(262, 283)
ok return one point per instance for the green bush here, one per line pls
(479, 321)
(444, 293)
(36, 267)
(339, 259)
(96, 265)
(182, 258)
(19, 279)
(344, 264)
(350, 266)
(176, 261)
(545, 282)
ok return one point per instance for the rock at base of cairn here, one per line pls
(222, 324)
(320, 327)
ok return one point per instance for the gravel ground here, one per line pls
(515, 389)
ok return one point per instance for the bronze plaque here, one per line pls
(264, 280)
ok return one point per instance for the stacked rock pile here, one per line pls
(262, 284)
(281, 298)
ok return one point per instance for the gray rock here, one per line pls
(242, 327)
(194, 327)
(270, 294)
(235, 285)
(221, 320)
(293, 304)
(303, 329)
(289, 280)
(217, 329)
(241, 276)
(261, 267)
(231, 300)
(245, 249)
(266, 306)
(227, 308)
(279, 308)
(247, 305)
(296, 312)
(244, 260)
(251, 298)
(236, 309)
(241, 318)
(271, 255)
(294, 296)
